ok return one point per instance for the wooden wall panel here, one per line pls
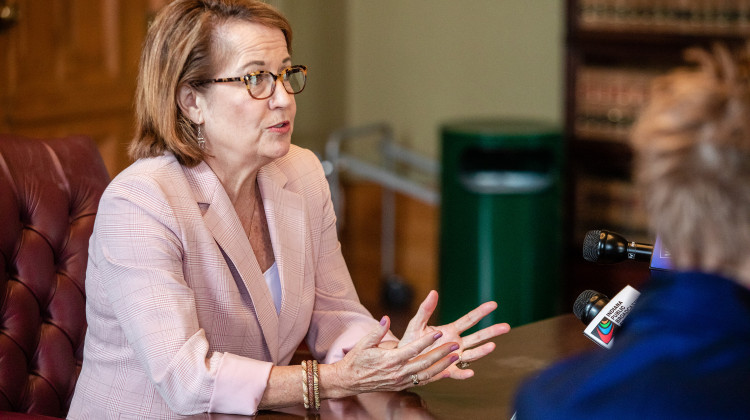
(70, 67)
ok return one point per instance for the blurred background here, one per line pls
(416, 65)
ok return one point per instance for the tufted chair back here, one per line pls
(49, 194)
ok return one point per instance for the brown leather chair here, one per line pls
(49, 195)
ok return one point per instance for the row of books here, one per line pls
(613, 204)
(608, 100)
(715, 17)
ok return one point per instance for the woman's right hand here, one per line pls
(367, 367)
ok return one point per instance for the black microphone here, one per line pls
(606, 247)
(588, 305)
(602, 315)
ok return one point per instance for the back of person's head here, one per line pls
(692, 155)
(183, 46)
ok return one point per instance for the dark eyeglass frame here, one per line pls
(246, 79)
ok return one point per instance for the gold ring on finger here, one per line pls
(462, 364)
(414, 379)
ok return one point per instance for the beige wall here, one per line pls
(419, 63)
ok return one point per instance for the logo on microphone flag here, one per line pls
(603, 330)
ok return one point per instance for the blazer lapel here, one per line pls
(287, 222)
(221, 219)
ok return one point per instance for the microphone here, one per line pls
(588, 305)
(602, 315)
(606, 247)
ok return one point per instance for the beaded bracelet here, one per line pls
(315, 385)
(310, 384)
(305, 398)
(310, 392)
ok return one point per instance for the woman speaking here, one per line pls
(215, 254)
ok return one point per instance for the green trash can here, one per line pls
(501, 219)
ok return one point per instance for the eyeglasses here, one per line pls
(262, 84)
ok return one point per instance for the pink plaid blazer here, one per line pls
(180, 319)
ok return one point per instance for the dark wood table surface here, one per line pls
(521, 353)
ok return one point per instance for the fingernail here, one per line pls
(454, 347)
(438, 335)
(382, 320)
(454, 358)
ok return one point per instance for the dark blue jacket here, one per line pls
(682, 353)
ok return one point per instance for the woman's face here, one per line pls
(239, 129)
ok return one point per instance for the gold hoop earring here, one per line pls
(201, 139)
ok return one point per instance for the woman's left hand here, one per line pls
(470, 347)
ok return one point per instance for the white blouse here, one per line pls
(274, 285)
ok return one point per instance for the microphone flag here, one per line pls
(601, 330)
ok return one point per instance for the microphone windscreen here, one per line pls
(591, 245)
(580, 304)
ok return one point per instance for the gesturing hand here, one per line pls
(470, 347)
(368, 367)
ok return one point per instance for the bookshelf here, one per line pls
(614, 49)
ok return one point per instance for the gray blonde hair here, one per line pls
(692, 161)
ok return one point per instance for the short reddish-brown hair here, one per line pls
(182, 47)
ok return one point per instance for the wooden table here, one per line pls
(488, 395)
